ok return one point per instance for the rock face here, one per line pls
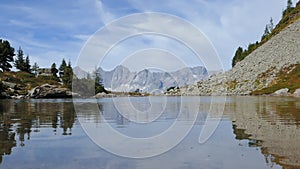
(49, 91)
(121, 79)
(256, 71)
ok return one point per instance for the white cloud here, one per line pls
(104, 14)
(115, 35)
(228, 24)
(45, 28)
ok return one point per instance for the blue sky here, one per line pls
(51, 30)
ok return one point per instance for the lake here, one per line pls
(252, 132)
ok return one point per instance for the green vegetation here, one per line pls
(289, 15)
(21, 63)
(288, 77)
(54, 71)
(25, 81)
(6, 55)
(99, 88)
(35, 68)
(62, 67)
(89, 86)
(29, 77)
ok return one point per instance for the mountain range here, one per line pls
(121, 79)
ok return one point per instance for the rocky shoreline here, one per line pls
(48, 91)
(45, 91)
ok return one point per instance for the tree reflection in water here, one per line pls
(18, 118)
(271, 124)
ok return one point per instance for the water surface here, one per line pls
(254, 132)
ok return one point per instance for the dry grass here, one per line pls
(288, 77)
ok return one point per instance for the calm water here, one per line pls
(254, 132)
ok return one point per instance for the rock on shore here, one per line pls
(50, 91)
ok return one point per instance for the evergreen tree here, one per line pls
(35, 68)
(69, 64)
(19, 62)
(239, 54)
(54, 70)
(271, 25)
(27, 65)
(99, 88)
(289, 4)
(6, 55)
(67, 74)
(266, 33)
(62, 68)
(67, 77)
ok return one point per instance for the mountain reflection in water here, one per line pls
(269, 124)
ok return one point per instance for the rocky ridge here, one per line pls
(121, 79)
(256, 71)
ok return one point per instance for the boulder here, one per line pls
(50, 91)
(4, 95)
(18, 97)
(102, 94)
(281, 92)
(9, 84)
(297, 93)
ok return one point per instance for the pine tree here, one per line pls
(19, 62)
(266, 33)
(6, 55)
(62, 68)
(289, 4)
(27, 66)
(271, 25)
(67, 77)
(99, 88)
(54, 70)
(67, 74)
(238, 56)
(35, 68)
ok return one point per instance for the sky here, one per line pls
(49, 31)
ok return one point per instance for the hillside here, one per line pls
(272, 66)
(289, 16)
